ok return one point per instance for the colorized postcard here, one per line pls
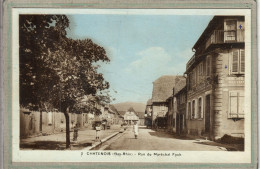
(132, 85)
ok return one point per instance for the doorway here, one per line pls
(207, 114)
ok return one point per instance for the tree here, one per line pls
(57, 72)
(37, 34)
(78, 77)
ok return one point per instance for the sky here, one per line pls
(141, 48)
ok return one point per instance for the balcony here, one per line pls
(217, 37)
(190, 62)
(221, 36)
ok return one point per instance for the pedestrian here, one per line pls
(135, 129)
(98, 128)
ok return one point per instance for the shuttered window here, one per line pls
(236, 104)
(235, 62)
(238, 62)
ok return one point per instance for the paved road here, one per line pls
(153, 140)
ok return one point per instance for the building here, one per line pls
(148, 113)
(215, 80)
(117, 118)
(180, 104)
(130, 116)
(171, 114)
(162, 90)
(141, 118)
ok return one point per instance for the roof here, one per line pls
(131, 109)
(113, 109)
(149, 102)
(122, 113)
(140, 115)
(215, 21)
(163, 88)
(180, 84)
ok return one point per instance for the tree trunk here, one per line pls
(67, 119)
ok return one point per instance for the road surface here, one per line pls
(157, 140)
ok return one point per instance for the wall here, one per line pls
(52, 122)
(141, 122)
(159, 109)
(227, 83)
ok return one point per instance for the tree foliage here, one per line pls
(56, 72)
(56, 69)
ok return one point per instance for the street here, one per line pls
(158, 140)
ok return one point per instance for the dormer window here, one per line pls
(230, 32)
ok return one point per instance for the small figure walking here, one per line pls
(75, 134)
(98, 128)
(135, 129)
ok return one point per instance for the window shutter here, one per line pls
(241, 104)
(235, 62)
(242, 61)
(233, 104)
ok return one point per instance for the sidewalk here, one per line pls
(86, 137)
(203, 141)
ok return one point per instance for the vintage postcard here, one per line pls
(143, 85)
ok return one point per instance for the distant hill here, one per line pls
(138, 107)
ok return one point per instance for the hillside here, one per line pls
(138, 107)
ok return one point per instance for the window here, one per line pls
(200, 72)
(200, 108)
(208, 65)
(238, 62)
(188, 110)
(204, 68)
(193, 110)
(236, 104)
(230, 32)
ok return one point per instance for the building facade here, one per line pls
(148, 114)
(171, 115)
(215, 80)
(180, 94)
(162, 90)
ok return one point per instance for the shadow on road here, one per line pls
(168, 135)
(236, 147)
(143, 127)
(53, 145)
(44, 145)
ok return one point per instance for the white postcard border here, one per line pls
(84, 156)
